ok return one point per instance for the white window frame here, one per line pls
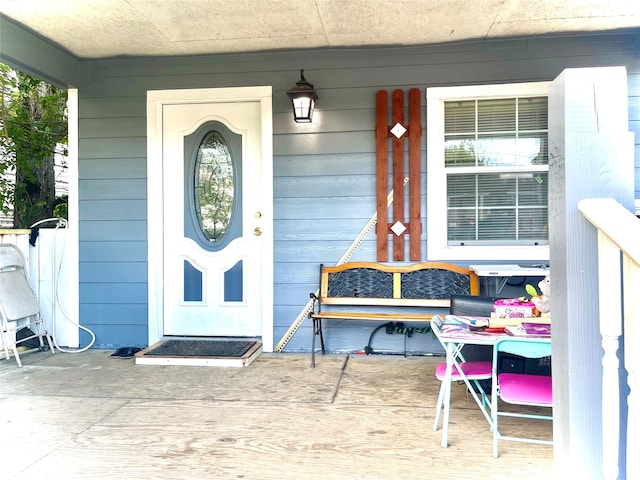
(437, 248)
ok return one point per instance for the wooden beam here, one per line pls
(382, 169)
(415, 130)
(397, 117)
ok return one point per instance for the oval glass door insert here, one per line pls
(214, 186)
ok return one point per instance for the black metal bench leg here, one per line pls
(317, 330)
(313, 345)
(321, 336)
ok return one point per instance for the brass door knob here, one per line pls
(257, 231)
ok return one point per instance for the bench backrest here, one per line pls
(429, 284)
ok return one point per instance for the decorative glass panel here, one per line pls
(192, 283)
(233, 283)
(214, 185)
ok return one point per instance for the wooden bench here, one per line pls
(373, 291)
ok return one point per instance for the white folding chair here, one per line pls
(19, 306)
(520, 388)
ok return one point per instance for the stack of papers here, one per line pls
(503, 322)
(471, 322)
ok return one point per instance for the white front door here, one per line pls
(216, 205)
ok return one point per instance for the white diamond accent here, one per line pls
(398, 130)
(398, 228)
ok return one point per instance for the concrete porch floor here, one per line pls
(93, 416)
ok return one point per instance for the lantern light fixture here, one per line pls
(303, 98)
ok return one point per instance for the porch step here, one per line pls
(218, 352)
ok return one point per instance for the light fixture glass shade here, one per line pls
(303, 109)
(303, 98)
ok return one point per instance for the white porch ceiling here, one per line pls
(90, 29)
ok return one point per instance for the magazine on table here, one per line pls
(465, 326)
(529, 329)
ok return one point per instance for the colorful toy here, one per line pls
(542, 301)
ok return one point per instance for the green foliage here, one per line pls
(61, 210)
(33, 127)
(463, 153)
(460, 154)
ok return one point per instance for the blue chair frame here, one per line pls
(532, 390)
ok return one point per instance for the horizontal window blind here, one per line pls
(496, 163)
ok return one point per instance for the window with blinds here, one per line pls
(488, 172)
(496, 190)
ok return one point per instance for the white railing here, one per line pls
(618, 278)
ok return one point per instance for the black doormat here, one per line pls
(202, 348)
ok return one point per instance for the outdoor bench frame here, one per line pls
(369, 291)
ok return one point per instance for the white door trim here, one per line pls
(155, 101)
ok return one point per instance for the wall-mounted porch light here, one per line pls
(303, 97)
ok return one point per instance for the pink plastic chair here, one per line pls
(519, 388)
(473, 371)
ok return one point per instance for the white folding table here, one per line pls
(502, 273)
(453, 339)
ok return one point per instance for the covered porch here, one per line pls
(90, 415)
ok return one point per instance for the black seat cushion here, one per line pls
(472, 305)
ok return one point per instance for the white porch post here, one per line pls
(590, 156)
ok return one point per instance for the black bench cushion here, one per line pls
(472, 305)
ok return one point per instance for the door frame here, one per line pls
(156, 99)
